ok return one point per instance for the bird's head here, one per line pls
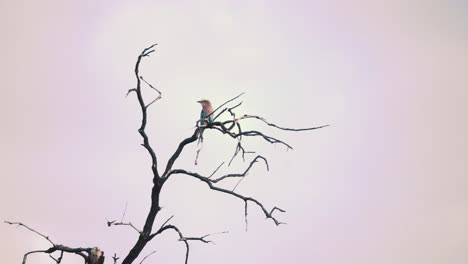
(204, 102)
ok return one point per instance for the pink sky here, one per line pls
(386, 183)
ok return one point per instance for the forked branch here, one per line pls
(88, 254)
(211, 185)
(183, 238)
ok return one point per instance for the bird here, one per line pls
(205, 118)
(206, 111)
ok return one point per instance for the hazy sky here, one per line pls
(386, 183)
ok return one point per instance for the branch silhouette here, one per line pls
(89, 255)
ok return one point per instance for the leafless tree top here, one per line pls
(231, 127)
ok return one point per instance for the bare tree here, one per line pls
(231, 128)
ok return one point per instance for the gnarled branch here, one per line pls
(183, 238)
(246, 199)
(144, 107)
(85, 253)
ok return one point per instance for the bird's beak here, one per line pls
(199, 101)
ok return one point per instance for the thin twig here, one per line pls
(125, 211)
(122, 223)
(152, 87)
(55, 247)
(279, 127)
(30, 229)
(214, 172)
(147, 256)
(115, 258)
(230, 100)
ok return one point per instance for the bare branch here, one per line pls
(151, 86)
(276, 208)
(111, 223)
(59, 259)
(18, 224)
(147, 256)
(168, 227)
(245, 216)
(214, 172)
(232, 175)
(240, 148)
(228, 101)
(148, 50)
(203, 238)
(169, 219)
(253, 133)
(25, 257)
(157, 179)
(143, 106)
(183, 238)
(130, 90)
(124, 212)
(55, 247)
(232, 193)
(237, 184)
(227, 109)
(247, 170)
(226, 128)
(52, 257)
(176, 154)
(115, 258)
(279, 127)
(148, 105)
(122, 223)
(200, 140)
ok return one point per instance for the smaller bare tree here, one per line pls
(231, 128)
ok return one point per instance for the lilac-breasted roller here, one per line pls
(207, 109)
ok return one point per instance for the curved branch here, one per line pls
(25, 257)
(276, 126)
(147, 256)
(152, 87)
(55, 247)
(183, 238)
(179, 149)
(167, 227)
(157, 181)
(219, 107)
(18, 224)
(232, 175)
(268, 215)
(227, 126)
(144, 107)
(253, 133)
